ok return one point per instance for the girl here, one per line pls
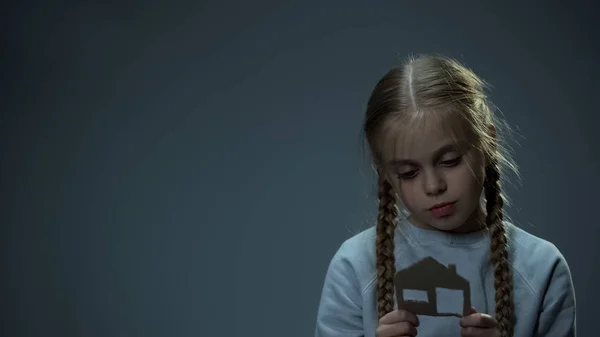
(433, 139)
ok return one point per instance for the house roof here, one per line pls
(429, 273)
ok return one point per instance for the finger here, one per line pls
(400, 316)
(473, 310)
(478, 320)
(396, 329)
(479, 332)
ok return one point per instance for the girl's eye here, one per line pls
(407, 175)
(451, 162)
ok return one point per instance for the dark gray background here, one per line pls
(189, 169)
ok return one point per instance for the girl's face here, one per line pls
(433, 168)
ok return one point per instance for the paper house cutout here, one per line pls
(428, 275)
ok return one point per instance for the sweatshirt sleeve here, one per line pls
(557, 318)
(340, 308)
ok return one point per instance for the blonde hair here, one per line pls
(441, 87)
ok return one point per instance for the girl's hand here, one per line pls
(479, 325)
(398, 323)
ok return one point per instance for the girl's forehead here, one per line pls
(419, 140)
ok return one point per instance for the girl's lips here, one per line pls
(440, 205)
(442, 210)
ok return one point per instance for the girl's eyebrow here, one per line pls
(453, 146)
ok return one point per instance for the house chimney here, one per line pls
(452, 268)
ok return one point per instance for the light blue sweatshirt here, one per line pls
(544, 297)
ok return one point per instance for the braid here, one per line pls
(499, 252)
(388, 212)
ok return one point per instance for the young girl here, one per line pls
(434, 142)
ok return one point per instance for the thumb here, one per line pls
(473, 310)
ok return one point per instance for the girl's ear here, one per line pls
(383, 176)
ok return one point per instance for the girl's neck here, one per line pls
(475, 223)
